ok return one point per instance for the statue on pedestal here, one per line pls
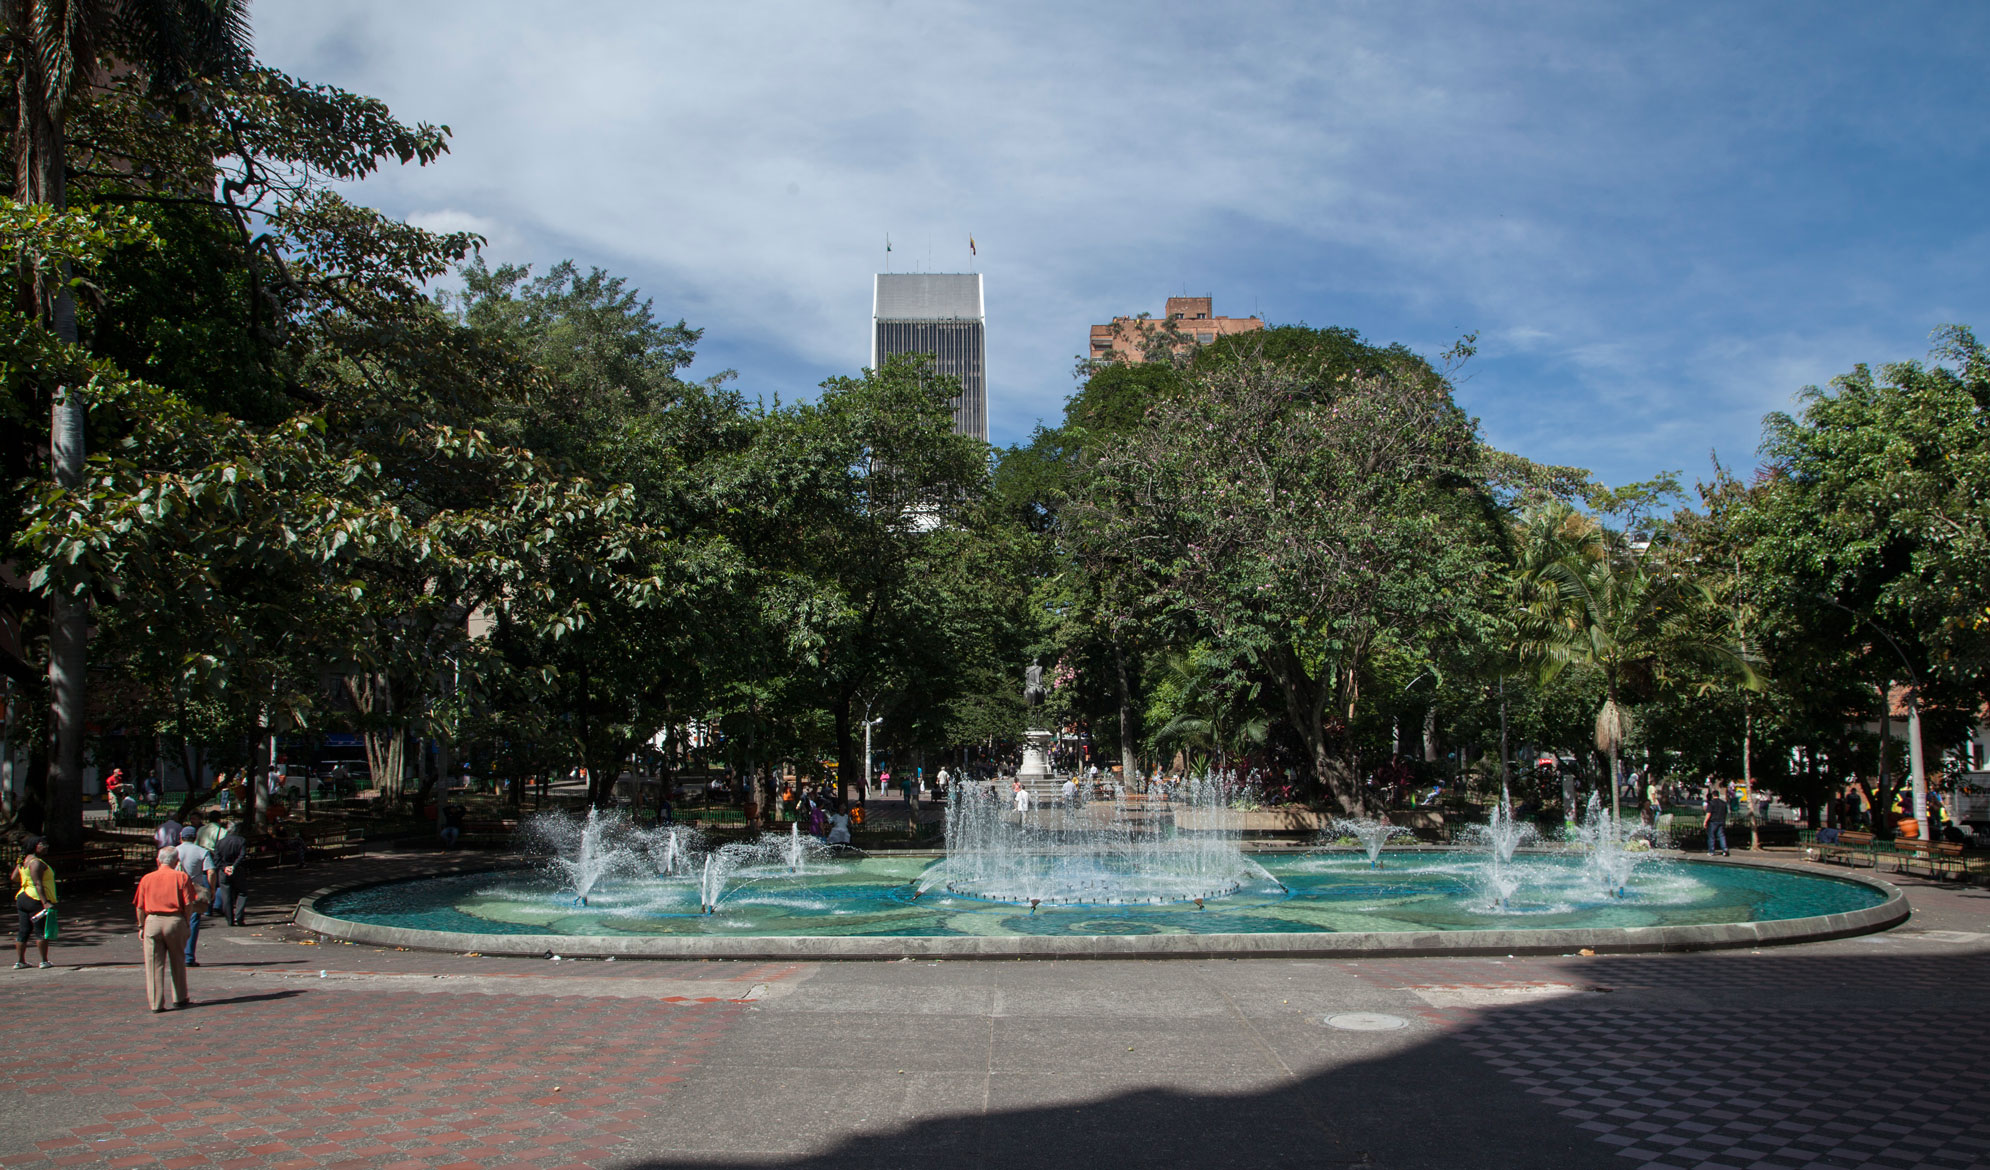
(1033, 685)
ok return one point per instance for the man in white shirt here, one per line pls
(1022, 797)
(1070, 792)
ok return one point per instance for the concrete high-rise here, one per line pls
(938, 313)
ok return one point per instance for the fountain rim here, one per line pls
(1890, 912)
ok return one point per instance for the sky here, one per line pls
(1661, 220)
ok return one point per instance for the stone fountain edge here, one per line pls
(1352, 944)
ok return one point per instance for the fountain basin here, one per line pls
(1322, 903)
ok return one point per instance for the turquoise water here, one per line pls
(1330, 891)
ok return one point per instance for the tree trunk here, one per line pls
(1810, 787)
(1128, 764)
(1883, 793)
(1748, 772)
(33, 811)
(849, 765)
(68, 614)
(1338, 776)
(372, 696)
(1430, 734)
(666, 768)
(1505, 754)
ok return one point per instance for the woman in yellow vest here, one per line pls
(33, 880)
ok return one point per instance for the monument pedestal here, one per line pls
(1034, 771)
(1036, 756)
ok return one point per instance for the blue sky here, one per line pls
(1662, 220)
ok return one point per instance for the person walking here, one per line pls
(1022, 797)
(198, 866)
(34, 902)
(207, 833)
(1716, 821)
(167, 835)
(163, 901)
(231, 854)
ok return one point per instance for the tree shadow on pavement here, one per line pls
(1711, 1057)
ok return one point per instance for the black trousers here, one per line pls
(232, 899)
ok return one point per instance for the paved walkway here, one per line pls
(299, 1053)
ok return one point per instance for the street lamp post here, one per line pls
(1396, 723)
(864, 785)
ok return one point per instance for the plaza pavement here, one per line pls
(1864, 1052)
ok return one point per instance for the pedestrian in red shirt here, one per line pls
(165, 897)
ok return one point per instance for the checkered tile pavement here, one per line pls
(392, 1080)
(1734, 1077)
(1735, 1089)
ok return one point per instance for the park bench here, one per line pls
(94, 865)
(349, 843)
(332, 839)
(1850, 846)
(488, 832)
(1936, 855)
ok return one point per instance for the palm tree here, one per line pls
(56, 51)
(1215, 715)
(1596, 597)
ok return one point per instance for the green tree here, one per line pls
(629, 632)
(54, 55)
(1298, 516)
(865, 519)
(1620, 606)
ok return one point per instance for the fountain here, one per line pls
(1608, 863)
(584, 852)
(1502, 836)
(1108, 853)
(772, 857)
(1152, 875)
(1372, 835)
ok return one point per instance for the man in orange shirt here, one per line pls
(164, 899)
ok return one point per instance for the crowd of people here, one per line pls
(201, 870)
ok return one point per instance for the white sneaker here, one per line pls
(20, 966)
(46, 966)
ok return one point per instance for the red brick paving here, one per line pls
(445, 1079)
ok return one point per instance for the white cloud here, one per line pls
(1602, 195)
(497, 236)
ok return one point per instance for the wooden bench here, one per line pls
(350, 843)
(1937, 855)
(95, 865)
(1850, 846)
(332, 839)
(488, 832)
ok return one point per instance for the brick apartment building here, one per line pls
(1186, 322)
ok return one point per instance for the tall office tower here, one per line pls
(938, 313)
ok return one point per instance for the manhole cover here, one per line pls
(1365, 1022)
